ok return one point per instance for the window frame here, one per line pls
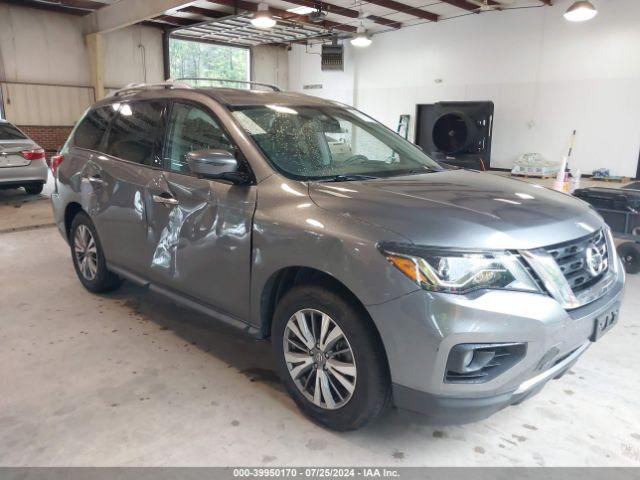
(240, 155)
(161, 136)
(84, 116)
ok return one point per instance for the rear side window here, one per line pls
(136, 132)
(92, 128)
(9, 132)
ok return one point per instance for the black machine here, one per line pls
(457, 133)
(332, 57)
(620, 208)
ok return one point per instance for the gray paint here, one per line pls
(221, 246)
(14, 169)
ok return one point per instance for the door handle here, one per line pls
(96, 179)
(165, 200)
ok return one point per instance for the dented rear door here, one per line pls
(132, 153)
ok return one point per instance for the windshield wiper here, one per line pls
(415, 171)
(347, 177)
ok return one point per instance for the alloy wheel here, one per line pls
(319, 359)
(86, 251)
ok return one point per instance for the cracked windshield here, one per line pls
(330, 143)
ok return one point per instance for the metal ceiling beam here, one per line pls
(384, 21)
(344, 12)
(252, 7)
(178, 21)
(238, 28)
(155, 24)
(236, 24)
(404, 8)
(54, 7)
(547, 2)
(329, 7)
(463, 4)
(244, 37)
(83, 4)
(250, 31)
(128, 12)
(205, 12)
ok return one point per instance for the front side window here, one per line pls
(9, 132)
(326, 142)
(191, 128)
(89, 132)
(136, 132)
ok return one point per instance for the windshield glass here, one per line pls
(9, 132)
(329, 142)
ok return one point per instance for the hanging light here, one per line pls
(362, 38)
(580, 11)
(262, 18)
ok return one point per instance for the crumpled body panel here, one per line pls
(164, 255)
(202, 245)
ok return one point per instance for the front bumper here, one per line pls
(36, 172)
(456, 410)
(419, 329)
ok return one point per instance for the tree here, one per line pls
(189, 58)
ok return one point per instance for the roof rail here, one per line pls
(245, 82)
(139, 87)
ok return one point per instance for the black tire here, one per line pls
(103, 280)
(34, 188)
(630, 255)
(372, 391)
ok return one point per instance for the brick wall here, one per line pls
(49, 138)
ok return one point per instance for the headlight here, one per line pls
(461, 271)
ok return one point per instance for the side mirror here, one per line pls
(214, 164)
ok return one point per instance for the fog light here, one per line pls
(467, 359)
(481, 362)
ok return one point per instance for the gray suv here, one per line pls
(380, 276)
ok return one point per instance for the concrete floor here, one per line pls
(130, 379)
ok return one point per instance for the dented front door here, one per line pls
(199, 239)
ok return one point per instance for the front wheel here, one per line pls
(330, 358)
(88, 257)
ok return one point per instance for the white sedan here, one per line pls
(22, 161)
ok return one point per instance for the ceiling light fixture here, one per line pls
(580, 11)
(362, 38)
(301, 10)
(262, 18)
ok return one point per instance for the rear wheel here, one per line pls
(34, 189)
(630, 255)
(88, 257)
(330, 358)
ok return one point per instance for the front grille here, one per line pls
(532, 273)
(572, 259)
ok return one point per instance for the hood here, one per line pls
(461, 209)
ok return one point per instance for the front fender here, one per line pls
(289, 230)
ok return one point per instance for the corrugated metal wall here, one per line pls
(44, 105)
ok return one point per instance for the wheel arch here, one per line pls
(280, 282)
(70, 211)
